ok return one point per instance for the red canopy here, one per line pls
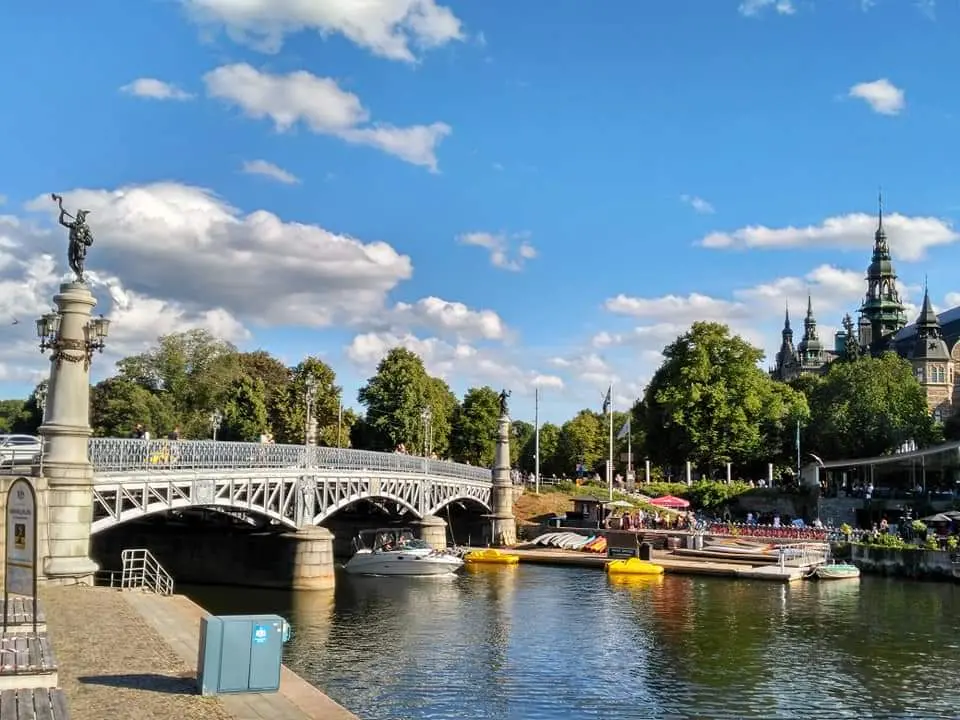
(669, 501)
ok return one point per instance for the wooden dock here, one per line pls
(672, 564)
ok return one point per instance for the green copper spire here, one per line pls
(882, 306)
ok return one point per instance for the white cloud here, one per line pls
(324, 108)
(698, 204)
(388, 28)
(182, 243)
(500, 247)
(449, 318)
(755, 313)
(881, 95)
(465, 362)
(189, 260)
(752, 8)
(268, 169)
(909, 237)
(155, 90)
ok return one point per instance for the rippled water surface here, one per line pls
(535, 643)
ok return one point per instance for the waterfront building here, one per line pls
(931, 343)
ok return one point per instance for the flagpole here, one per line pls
(798, 450)
(629, 450)
(610, 460)
(536, 437)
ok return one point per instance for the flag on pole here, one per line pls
(798, 436)
(607, 400)
(624, 431)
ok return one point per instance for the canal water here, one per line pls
(543, 643)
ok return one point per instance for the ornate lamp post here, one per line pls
(216, 420)
(427, 417)
(309, 437)
(72, 336)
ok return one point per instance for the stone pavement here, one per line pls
(149, 645)
(113, 665)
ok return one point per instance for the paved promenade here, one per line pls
(133, 655)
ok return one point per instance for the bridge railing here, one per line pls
(119, 455)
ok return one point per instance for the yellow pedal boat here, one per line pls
(490, 557)
(633, 566)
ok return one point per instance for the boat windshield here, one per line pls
(389, 539)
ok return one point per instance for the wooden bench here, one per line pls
(27, 661)
(33, 704)
(19, 612)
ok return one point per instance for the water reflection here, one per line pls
(536, 643)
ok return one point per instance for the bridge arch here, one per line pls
(156, 508)
(348, 500)
(118, 500)
(438, 508)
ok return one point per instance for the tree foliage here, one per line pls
(710, 402)
(396, 398)
(868, 407)
(475, 426)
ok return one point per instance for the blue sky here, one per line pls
(527, 193)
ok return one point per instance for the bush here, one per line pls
(886, 540)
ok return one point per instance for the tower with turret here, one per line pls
(881, 314)
(931, 361)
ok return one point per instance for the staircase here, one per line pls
(140, 571)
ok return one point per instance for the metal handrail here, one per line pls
(142, 571)
(119, 455)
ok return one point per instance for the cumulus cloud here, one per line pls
(323, 107)
(154, 89)
(698, 204)
(507, 252)
(169, 257)
(909, 237)
(387, 28)
(881, 95)
(449, 318)
(182, 242)
(269, 170)
(460, 360)
(752, 8)
(755, 313)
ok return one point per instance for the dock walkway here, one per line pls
(133, 655)
(670, 562)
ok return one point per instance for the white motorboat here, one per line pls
(397, 552)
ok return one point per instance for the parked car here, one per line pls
(19, 449)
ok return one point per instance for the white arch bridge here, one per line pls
(295, 485)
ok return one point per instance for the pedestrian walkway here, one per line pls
(133, 655)
(177, 620)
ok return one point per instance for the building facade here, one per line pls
(931, 343)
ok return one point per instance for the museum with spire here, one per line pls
(931, 344)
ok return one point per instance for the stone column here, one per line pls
(312, 561)
(503, 524)
(65, 432)
(433, 530)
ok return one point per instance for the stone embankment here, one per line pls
(909, 563)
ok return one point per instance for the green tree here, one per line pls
(522, 438)
(474, 434)
(867, 408)
(709, 402)
(443, 408)
(194, 370)
(549, 442)
(289, 411)
(118, 405)
(245, 411)
(582, 439)
(11, 412)
(395, 398)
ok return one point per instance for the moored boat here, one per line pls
(633, 566)
(490, 556)
(836, 571)
(395, 551)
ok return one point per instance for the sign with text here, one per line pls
(621, 553)
(20, 565)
